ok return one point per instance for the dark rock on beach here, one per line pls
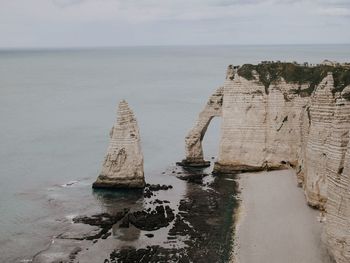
(197, 227)
(159, 217)
(204, 219)
(157, 187)
(148, 254)
(159, 202)
(147, 193)
(104, 220)
(196, 178)
(150, 188)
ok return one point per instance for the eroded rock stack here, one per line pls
(296, 118)
(123, 164)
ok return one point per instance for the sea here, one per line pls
(57, 107)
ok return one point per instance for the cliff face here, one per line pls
(123, 164)
(269, 123)
(337, 227)
(258, 129)
(321, 111)
(242, 130)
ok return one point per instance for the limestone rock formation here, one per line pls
(321, 117)
(193, 141)
(243, 126)
(258, 129)
(337, 227)
(304, 127)
(289, 117)
(123, 164)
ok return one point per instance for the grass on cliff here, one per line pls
(295, 73)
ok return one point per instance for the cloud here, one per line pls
(334, 11)
(135, 11)
(136, 22)
(67, 3)
(156, 10)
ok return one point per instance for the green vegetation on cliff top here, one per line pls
(294, 73)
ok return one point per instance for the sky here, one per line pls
(93, 23)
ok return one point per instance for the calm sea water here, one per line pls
(57, 107)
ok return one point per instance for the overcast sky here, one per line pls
(72, 23)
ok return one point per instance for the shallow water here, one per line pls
(57, 107)
(197, 226)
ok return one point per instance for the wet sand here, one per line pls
(275, 224)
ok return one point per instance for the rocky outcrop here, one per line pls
(123, 164)
(275, 120)
(321, 112)
(303, 128)
(266, 128)
(337, 227)
(243, 127)
(193, 141)
(258, 129)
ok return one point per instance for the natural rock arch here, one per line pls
(193, 141)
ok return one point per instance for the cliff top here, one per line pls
(270, 72)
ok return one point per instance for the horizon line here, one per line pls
(38, 48)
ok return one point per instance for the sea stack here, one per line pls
(123, 164)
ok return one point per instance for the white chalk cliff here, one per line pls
(123, 164)
(281, 125)
(337, 227)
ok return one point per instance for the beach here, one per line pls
(275, 223)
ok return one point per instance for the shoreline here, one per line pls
(274, 220)
(238, 216)
(153, 226)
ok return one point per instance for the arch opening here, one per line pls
(194, 139)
